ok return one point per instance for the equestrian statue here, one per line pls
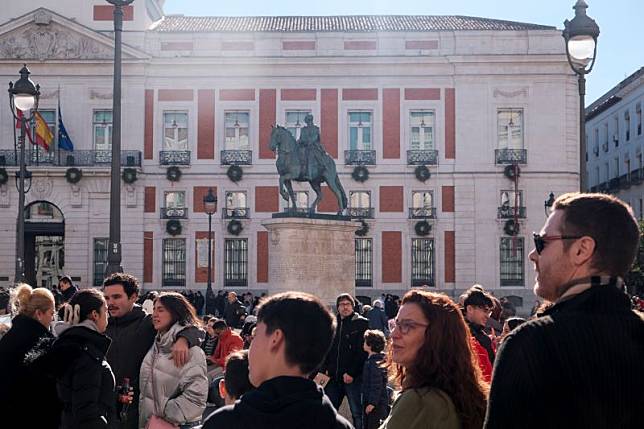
(305, 160)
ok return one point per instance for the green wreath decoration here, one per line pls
(422, 227)
(173, 174)
(129, 175)
(235, 227)
(511, 227)
(360, 174)
(363, 230)
(73, 175)
(512, 171)
(4, 176)
(422, 173)
(235, 173)
(173, 227)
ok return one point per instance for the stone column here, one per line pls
(316, 256)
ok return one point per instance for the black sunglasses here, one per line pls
(541, 240)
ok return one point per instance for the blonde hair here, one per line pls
(26, 300)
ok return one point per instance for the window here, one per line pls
(236, 204)
(295, 121)
(237, 124)
(302, 199)
(174, 262)
(422, 262)
(100, 260)
(616, 160)
(510, 128)
(102, 124)
(421, 123)
(236, 262)
(599, 179)
(638, 118)
(360, 199)
(364, 262)
(175, 199)
(360, 131)
(616, 131)
(512, 261)
(175, 131)
(627, 124)
(422, 204)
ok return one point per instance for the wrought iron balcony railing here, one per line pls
(636, 176)
(77, 158)
(174, 212)
(235, 213)
(174, 157)
(364, 283)
(624, 181)
(420, 282)
(511, 156)
(360, 212)
(236, 157)
(507, 212)
(422, 213)
(360, 157)
(422, 157)
(613, 184)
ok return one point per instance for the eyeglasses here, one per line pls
(541, 240)
(485, 309)
(404, 326)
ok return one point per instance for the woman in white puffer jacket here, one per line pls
(176, 395)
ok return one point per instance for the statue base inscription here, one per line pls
(316, 256)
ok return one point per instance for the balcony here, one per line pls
(360, 157)
(511, 156)
(636, 176)
(174, 212)
(507, 212)
(364, 283)
(602, 187)
(613, 184)
(77, 158)
(624, 181)
(422, 213)
(360, 212)
(422, 157)
(235, 213)
(174, 157)
(236, 157)
(422, 281)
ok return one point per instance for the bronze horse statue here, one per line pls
(321, 168)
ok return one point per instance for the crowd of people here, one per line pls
(121, 358)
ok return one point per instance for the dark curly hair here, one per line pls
(129, 282)
(445, 361)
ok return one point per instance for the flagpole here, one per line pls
(56, 137)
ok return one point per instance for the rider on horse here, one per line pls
(310, 147)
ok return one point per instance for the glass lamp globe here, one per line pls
(24, 102)
(581, 49)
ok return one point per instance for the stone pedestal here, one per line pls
(316, 256)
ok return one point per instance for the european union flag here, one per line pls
(64, 142)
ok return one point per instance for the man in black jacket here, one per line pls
(346, 358)
(580, 363)
(132, 334)
(234, 311)
(67, 288)
(477, 307)
(294, 332)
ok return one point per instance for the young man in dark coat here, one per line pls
(67, 288)
(294, 332)
(344, 362)
(375, 399)
(580, 363)
(132, 334)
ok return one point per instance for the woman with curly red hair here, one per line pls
(432, 362)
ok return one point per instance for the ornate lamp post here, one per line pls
(114, 248)
(581, 35)
(210, 207)
(23, 96)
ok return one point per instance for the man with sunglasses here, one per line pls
(477, 307)
(579, 363)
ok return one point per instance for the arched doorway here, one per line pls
(44, 244)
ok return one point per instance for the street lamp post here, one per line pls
(581, 35)
(114, 253)
(210, 207)
(23, 96)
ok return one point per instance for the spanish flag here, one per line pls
(44, 136)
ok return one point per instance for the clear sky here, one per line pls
(620, 48)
